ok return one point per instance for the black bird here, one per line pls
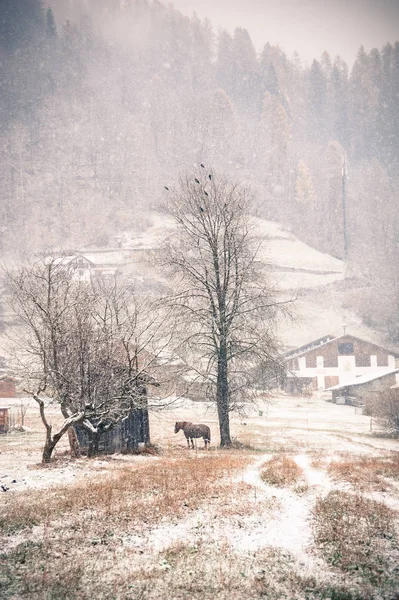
(196, 180)
(206, 193)
(201, 209)
(166, 188)
(210, 176)
(203, 166)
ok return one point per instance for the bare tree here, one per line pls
(89, 347)
(23, 408)
(227, 310)
(385, 407)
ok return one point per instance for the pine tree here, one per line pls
(305, 194)
(51, 29)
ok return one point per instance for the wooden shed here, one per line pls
(4, 419)
(365, 388)
(126, 436)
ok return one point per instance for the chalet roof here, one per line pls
(327, 339)
(66, 260)
(363, 379)
(309, 346)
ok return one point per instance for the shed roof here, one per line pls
(362, 379)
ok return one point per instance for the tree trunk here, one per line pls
(52, 440)
(74, 443)
(48, 450)
(222, 395)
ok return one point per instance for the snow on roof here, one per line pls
(107, 257)
(169, 358)
(68, 259)
(363, 379)
(194, 377)
(327, 339)
(310, 346)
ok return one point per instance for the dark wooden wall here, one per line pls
(124, 437)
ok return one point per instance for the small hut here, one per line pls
(4, 419)
(126, 436)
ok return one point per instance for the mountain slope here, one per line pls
(316, 280)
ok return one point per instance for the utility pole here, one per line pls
(344, 177)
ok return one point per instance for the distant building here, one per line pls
(330, 361)
(83, 268)
(366, 387)
(106, 264)
(7, 387)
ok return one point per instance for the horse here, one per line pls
(192, 431)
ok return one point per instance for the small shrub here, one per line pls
(281, 470)
(301, 489)
(237, 445)
(386, 410)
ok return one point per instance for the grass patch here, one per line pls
(49, 578)
(281, 471)
(136, 495)
(355, 534)
(81, 549)
(366, 472)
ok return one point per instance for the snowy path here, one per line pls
(285, 521)
(291, 528)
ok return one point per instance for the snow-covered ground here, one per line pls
(260, 518)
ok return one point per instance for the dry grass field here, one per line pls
(304, 507)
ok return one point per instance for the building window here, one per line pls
(345, 348)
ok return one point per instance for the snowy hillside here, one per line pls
(314, 278)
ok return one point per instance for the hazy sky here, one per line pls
(307, 26)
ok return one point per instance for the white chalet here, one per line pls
(330, 361)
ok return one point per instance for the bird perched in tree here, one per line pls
(210, 176)
(166, 188)
(196, 180)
